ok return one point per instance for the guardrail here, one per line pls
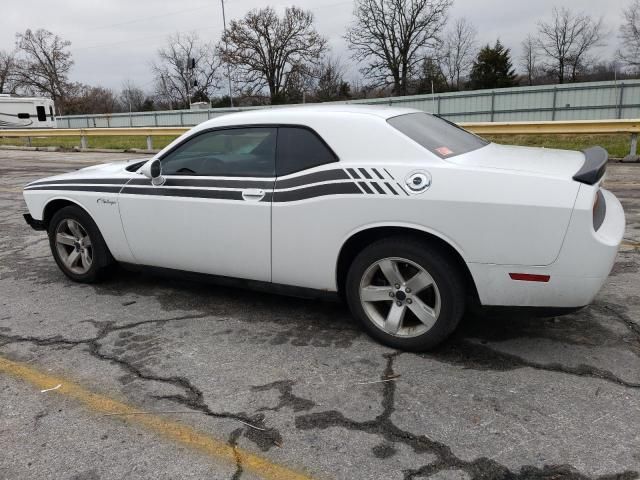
(84, 133)
(583, 127)
(631, 127)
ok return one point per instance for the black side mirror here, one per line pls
(153, 171)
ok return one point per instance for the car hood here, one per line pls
(105, 170)
(537, 161)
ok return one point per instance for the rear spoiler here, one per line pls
(595, 164)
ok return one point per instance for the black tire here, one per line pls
(445, 273)
(101, 257)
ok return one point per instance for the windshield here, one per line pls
(439, 136)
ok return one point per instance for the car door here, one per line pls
(212, 214)
(309, 193)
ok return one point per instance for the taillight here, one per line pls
(599, 210)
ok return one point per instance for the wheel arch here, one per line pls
(365, 236)
(54, 204)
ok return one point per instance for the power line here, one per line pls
(143, 19)
(164, 35)
(135, 40)
(319, 7)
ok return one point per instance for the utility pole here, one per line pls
(224, 24)
(433, 98)
(188, 73)
(191, 65)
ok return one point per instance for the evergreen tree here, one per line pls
(492, 68)
(431, 75)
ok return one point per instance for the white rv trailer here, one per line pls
(26, 112)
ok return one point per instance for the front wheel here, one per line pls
(406, 293)
(77, 245)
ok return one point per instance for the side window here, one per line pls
(42, 114)
(299, 149)
(234, 152)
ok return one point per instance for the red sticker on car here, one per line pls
(444, 151)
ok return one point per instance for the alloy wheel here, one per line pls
(400, 297)
(74, 247)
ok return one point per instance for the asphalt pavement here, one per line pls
(151, 376)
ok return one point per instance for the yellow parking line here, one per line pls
(166, 428)
(11, 189)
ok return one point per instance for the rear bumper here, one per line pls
(576, 276)
(33, 223)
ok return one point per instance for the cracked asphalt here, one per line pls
(294, 382)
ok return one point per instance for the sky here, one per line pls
(116, 40)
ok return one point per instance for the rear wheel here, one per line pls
(407, 294)
(77, 245)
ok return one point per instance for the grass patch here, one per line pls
(116, 143)
(617, 145)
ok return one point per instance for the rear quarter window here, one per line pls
(440, 137)
(300, 149)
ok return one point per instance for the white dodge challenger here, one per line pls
(405, 215)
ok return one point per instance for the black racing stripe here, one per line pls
(390, 176)
(378, 173)
(77, 188)
(205, 182)
(184, 192)
(317, 191)
(365, 187)
(402, 189)
(378, 188)
(83, 181)
(353, 173)
(390, 188)
(322, 176)
(365, 174)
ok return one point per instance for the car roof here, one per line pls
(298, 114)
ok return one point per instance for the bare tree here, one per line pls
(331, 83)
(630, 35)
(529, 59)
(8, 73)
(85, 99)
(567, 39)
(132, 97)
(458, 52)
(179, 82)
(299, 85)
(393, 36)
(44, 64)
(268, 51)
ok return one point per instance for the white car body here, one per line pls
(505, 210)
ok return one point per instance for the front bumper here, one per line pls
(576, 276)
(33, 223)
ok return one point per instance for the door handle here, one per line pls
(253, 194)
